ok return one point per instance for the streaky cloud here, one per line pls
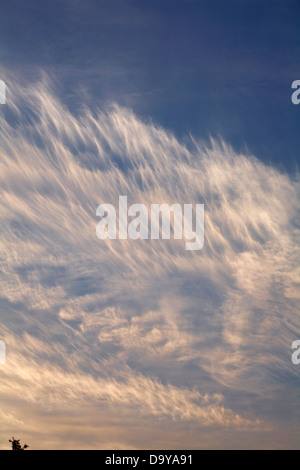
(193, 337)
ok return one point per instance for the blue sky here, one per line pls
(206, 67)
(141, 344)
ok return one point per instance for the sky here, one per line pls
(140, 344)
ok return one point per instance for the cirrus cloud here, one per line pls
(142, 327)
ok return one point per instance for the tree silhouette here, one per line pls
(15, 444)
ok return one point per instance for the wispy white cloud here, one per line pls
(141, 325)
